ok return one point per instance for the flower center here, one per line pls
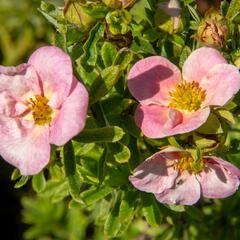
(187, 96)
(41, 111)
(189, 164)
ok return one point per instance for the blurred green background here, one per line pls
(22, 29)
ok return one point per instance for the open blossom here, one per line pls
(173, 178)
(173, 103)
(41, 103)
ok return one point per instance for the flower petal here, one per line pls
(71, 117)
(200, 62)
(54, 68)
(154, 175)
(221, 83)
(158, 122)
(217, 182)
(26, 149)
(19, 80)
(186, 191)
(7, 104)
(227, 165)
(151, 79)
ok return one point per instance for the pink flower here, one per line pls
(41, 103)
(172, 177)
(171, 103)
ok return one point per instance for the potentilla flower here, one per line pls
(41, 103)
(171, 103)
(173, 177)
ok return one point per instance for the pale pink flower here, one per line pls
(171, 176)
(41, 103)
(171, 103)
(173, 9)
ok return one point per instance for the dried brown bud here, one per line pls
(213, 29)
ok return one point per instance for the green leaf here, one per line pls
(139, 10)
(173, 142)
(97, 11)
(151, 35)
(108, 53)
(176, 208)
(88, 75)
(127, 205)
(76, 13)
(197, 155)
(119, 152)
(48, 10)
(56, 172)
(227, 115)
(141, 45)
(211, 126)
(131, 126)
(105, 134)
(117, 175)
(15, 174)
(49, 18)
(123, 58)
(184, 55)
(56, 190)
(233, 9)
(102, 166)
(69, 159)
(112, 224)
(193, 13)
(70, 170)
(90, 46)
(23, 180)
(81, 149)
(94, 194)
(104, 83)
(150, 209)
(202, 142)
(39, 182)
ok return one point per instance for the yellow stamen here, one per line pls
(187, 96)
(41, 111)
(189, 164)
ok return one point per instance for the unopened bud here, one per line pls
(119, 3)
(213, 29)
(118, 22)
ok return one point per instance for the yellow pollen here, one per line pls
(189, 164)
(41, 111)
(187, 96)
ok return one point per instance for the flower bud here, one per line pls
(213, 29)
(119, 3)
(118, 22)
